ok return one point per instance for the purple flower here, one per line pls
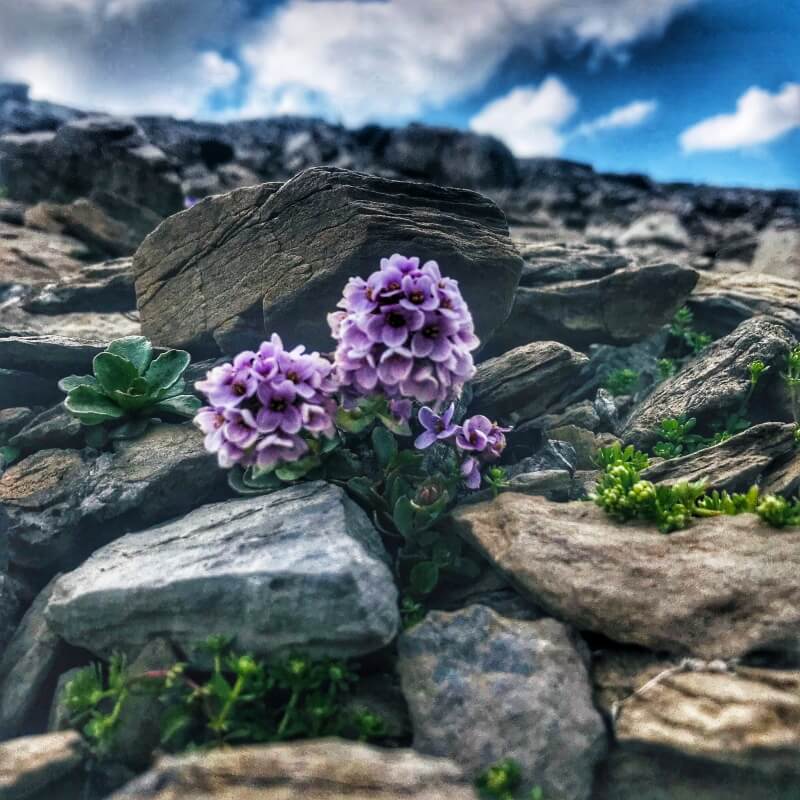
(400, 409)
(393, 325)
(474, 434)
(436, 427)
(278, 408)
(228, 385)
(471, 472)
(240, 428)
(210, 421)
(419, 291)
(277, 448)
(433, 339)
(395, 365)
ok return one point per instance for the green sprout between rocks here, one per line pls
(502, 781)
(682, 328)
(621, 382)
(792, 380)
(239, 700)
(128, 389)
(666, 368)
(623, 494)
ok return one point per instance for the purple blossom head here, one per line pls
(404, 332)
(265, 404)
(471, 472)
(473, 436)
(437, 428)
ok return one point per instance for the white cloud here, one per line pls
(760, 117)
(627, 116)
(528, 119)
(392, 60)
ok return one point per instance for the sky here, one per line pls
(681, 90)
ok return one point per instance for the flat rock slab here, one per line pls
(527, 381)
(328, 769)
(722, 588)
(714, 384)
(733, 465)
(301, 568)
(620, 308)
(229, 271)
(750, 717)
(482, 688)
(50, 356)
(33, 763)
(58, 505)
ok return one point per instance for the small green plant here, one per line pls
(502, 781)
(676, 437)
(238, 700)
(666, 368)
(497, 479)
(792, 380)
(129, 386)
(682, 329)
(621, 382)
(778, 511)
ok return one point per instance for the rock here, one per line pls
(715, 383)
(731, 581)
(526, 381)
(329, 769)
(33, 763)
(582, 414)
(586, 443)
(13, 597)
(277, 257)
(13, 420)
(778, 253)
(553, 455)
(481, 688)
(19, 388)
(721, 302)
(58, 719)
(734, 465)
(59, 505)
(747, 717)
(301, 568)
(89, 326)
(18, 113)
(618, 309)
(555, 262)
(662, 229)
(28, 666)
(96, 153)
(784, 477)
(48, 356)
(107, 286)
(12, 212)
(54, 428)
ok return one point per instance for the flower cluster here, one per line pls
(478, 440)
(404, 332)
(263, 407)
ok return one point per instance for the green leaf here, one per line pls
(245, 482)
(184, 405)
(424, 577)
(354, 420)
(396, 426)
(403, 516)
(167, 369)
(129, 401)
(385, 446)
(72, 381)
(91, 407)
(175, 719)
(114, 373)
(136, 349)
(297, 469)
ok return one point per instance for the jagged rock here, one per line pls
(730, 581)
(301, 568)
(525, 382)
(59, 505)
(97, 153)
(34, 763)
(585, 443)
(89, 326)
(554, 262)
(52, 429)
(32, 659)
(784, 477)
(747, 717)
(661, 228)
(276, 257)
(49, 356)
(13, 598)
(716, 383)
(720, 302)
(618, 309)
(733, 465)
(13, 420)
(778, 253)
(107, 286)
(582, 414)
(481, 688)
(330, 769)
(553, 455)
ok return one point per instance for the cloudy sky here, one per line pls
(700, 90)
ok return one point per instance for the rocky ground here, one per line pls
(608, 660)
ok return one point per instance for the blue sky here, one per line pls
(696, 90)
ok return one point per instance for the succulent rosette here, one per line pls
(269, 408)
(404, 332)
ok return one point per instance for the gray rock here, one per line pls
(730, 581)
(662, 228)
(59, 717)
(481, 688)
(34, 763)
(13, 420)
(733, 465)
(553, 455)
(715, 383)
(54, 428)
(329, 769)
(297, 244)
(778, 252)
(618, 309)
(50, 356)
(59, 505)
(525, 382)
(554, 262)
(582, 414)
(584, 442)
(299, 568)
(18, 388)
(13, 600)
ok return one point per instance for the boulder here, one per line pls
(715, 383)
(13, 598)
(525, 382)
(226, 273)
(34, 763)
(54, 428)
(729, 582)
(329, 769)
(50, 356)
(482, 688)
(90, 326)
(734, 465)
(301, 568)
(619, 308)
(22, 388)
(778, 252)
(59, 505)
(660, 228)
(555, 262)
